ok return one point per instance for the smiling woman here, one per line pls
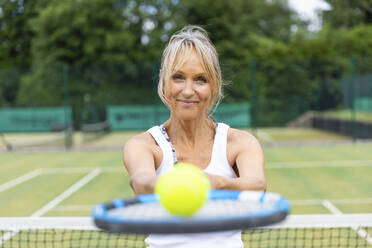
(191, 85)
(188, 92)
(192, 47)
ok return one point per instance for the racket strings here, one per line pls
(212, 209)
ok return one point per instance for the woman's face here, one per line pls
(188, 91)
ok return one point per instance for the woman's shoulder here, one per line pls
(143, 139)
(241, 138)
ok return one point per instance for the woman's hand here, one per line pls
(216, 181)
(239, 183)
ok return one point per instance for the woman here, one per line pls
(190, 84)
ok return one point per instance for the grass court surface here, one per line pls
(317, 178)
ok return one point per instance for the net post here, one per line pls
(68, 126)
(254, 101)
(352, 97)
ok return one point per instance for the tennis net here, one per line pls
(33, 141)
(95, 131)
(347, 230)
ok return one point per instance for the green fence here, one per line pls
(236, 115)
(138, 117)
(363, 104)
(275, 91)
(126, 117)
(357, 92)
(34, 119)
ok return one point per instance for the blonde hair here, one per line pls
(175, 53)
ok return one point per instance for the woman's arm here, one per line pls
(138, 157)
(246, 153)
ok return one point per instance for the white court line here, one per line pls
(337, 200)
(62, 170)
(19, 180)
(56, 201)
(67, 193)
(360, 231)
(72, 170)
(11, 184)
(332, 208)
(314, 164)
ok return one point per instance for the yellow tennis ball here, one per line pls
(183, 190)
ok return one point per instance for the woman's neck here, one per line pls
(189, 132)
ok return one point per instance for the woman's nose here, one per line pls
(188, 90)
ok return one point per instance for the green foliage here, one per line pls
(16, 33)
(348, 13)
(113, 48)
(356, 41)
(9, 82)
(15, 47)
(2, 100)
(233, 25)
(102, 41)
(42, 87)
(85, 34)
(80, 32)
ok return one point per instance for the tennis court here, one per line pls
(79, 78)
(307, 175)
(316, 178)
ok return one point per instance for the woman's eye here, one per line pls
(201, 79)
(177, 77)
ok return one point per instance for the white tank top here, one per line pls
(218, 165)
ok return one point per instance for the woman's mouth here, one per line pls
(187, 102)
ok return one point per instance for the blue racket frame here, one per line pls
(265, 216)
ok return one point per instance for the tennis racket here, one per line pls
(224, 210)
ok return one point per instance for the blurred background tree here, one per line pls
(348, 13)
(15, 49)
(110, 50)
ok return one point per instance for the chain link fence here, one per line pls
(259, 93)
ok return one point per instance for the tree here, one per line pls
(348, 13)
(231, 24)
(71, 37)
(16, 33)
(109, 51)
(109, 47)
(15, 47)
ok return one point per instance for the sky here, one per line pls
(307, 10)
